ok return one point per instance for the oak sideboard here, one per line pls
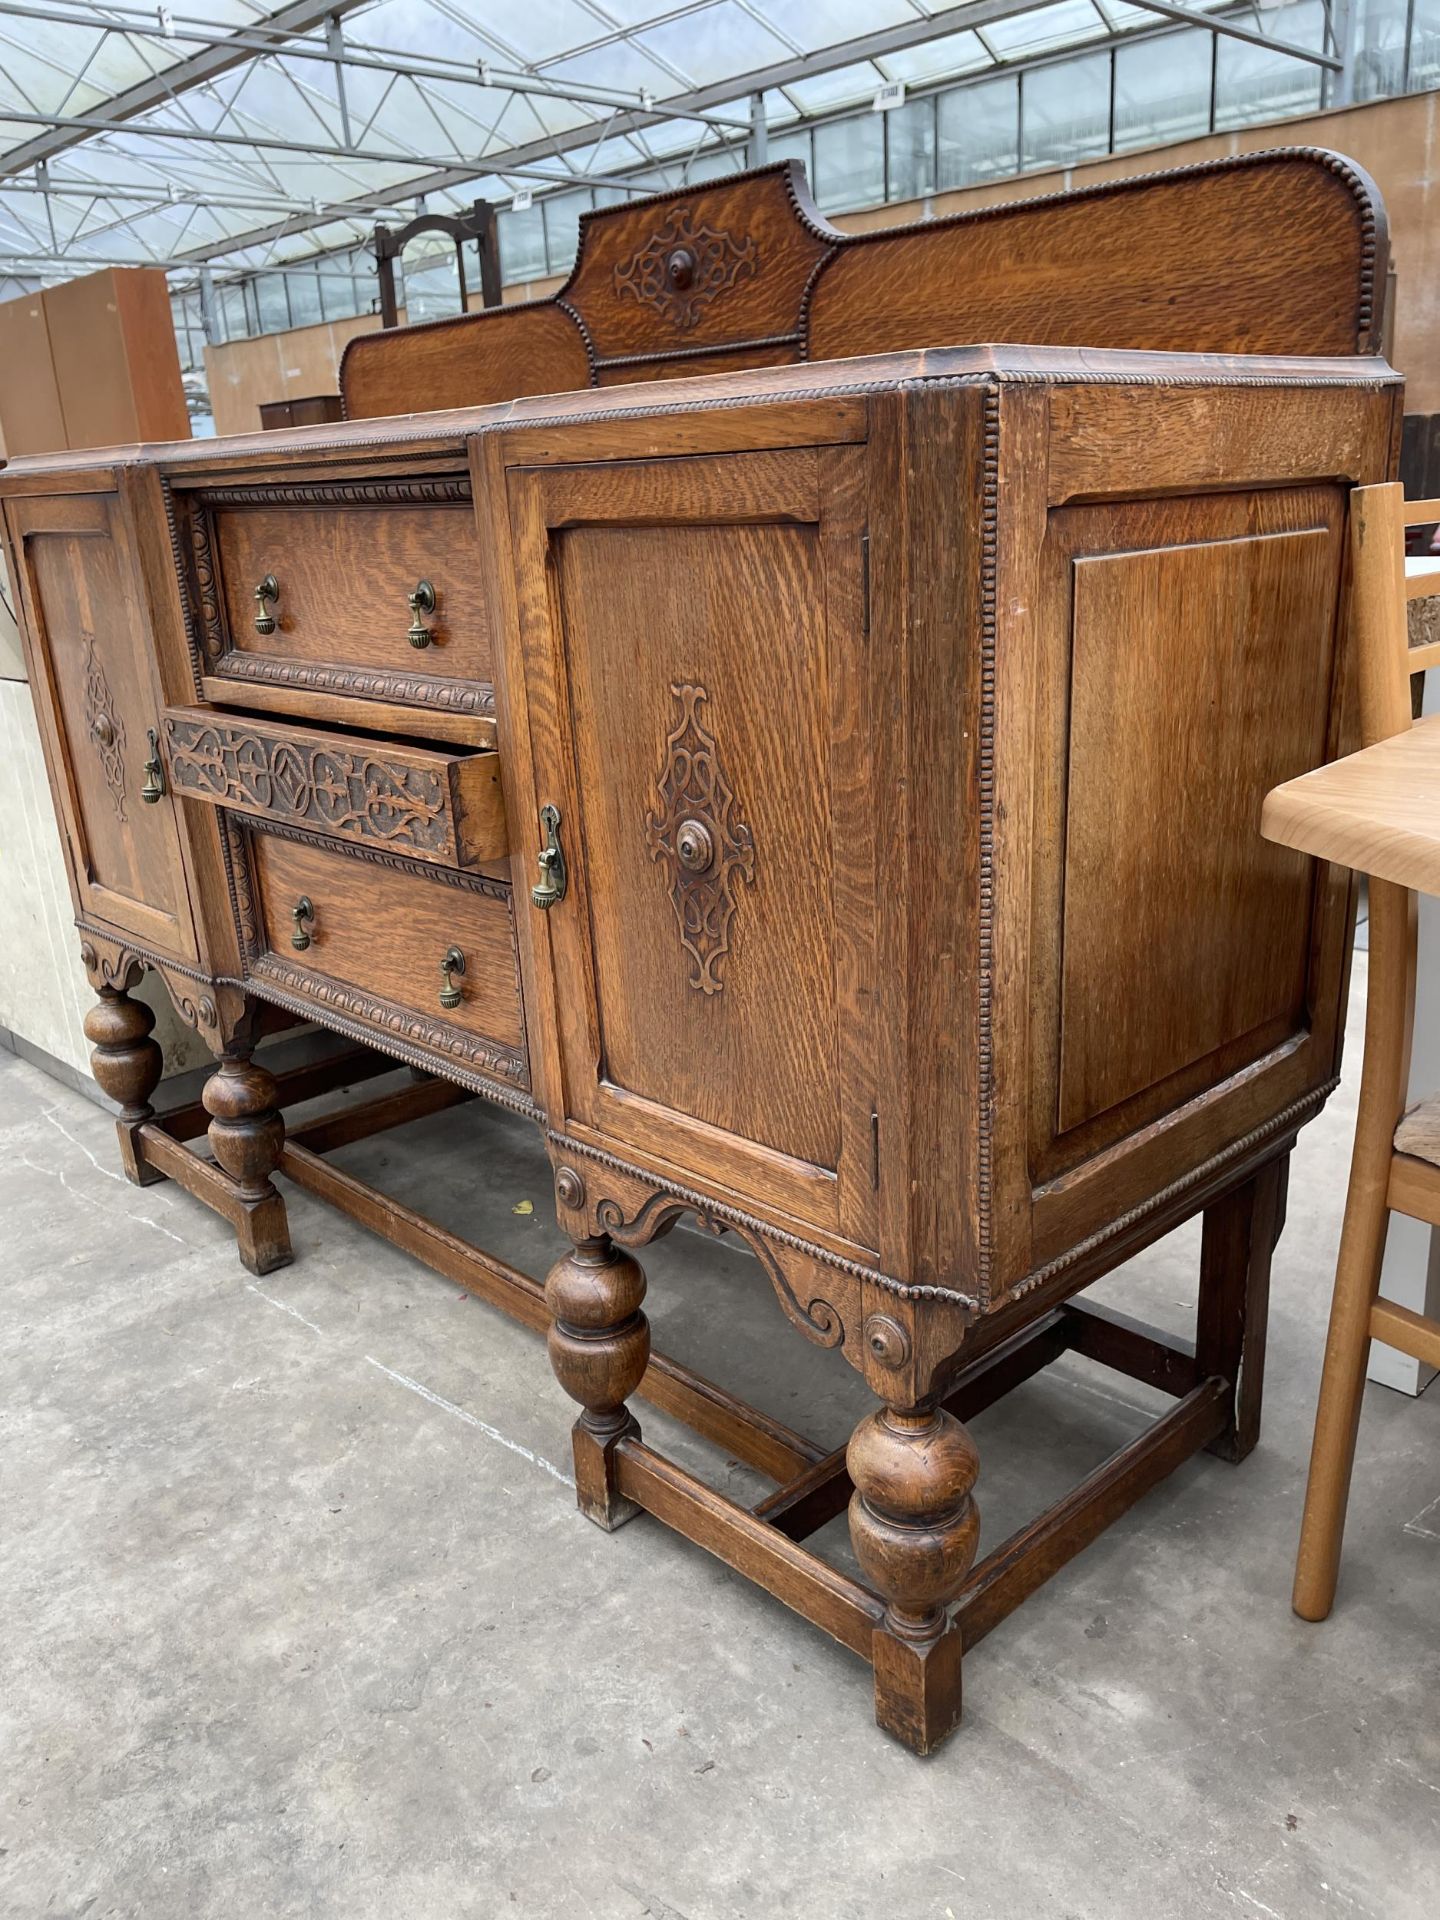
(809, 768)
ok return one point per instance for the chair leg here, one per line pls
(1362, 1246)
(1342, 1384)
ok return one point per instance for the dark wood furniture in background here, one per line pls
(477, 224)
(824, 797)
(308, 410)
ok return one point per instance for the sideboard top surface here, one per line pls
(442, 435)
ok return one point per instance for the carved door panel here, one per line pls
(695, 676)
(98, 701)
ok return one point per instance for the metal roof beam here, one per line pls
(515, 160)
(1234, 31)
(219, 57)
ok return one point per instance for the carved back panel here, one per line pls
(1260, 253)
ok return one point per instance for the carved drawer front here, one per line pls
(423, 958)
(442, 807)
(302, 593)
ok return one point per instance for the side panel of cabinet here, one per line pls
(96, 693)
(1182, 965)
(692, 642)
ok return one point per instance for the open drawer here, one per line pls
(429, 803)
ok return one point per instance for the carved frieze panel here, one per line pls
(696, 831)
(353, 792)
(360, 683)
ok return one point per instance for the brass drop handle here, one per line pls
(452, 964)
(553, 879)
(422, 600)
(303, 914)
(266, 595)
(154, 786)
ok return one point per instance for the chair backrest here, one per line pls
(1382, 586)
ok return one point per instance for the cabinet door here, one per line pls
(97, 699)
(694, 663)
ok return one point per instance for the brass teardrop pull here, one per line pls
(422, 600)
(154, 786)
(450, 966)
(303, 914)
(266, 595)
(553, 878)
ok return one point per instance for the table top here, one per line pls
(1377, 811)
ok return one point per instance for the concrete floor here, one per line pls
(299, 1619)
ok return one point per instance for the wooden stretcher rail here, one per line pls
(765, 1444)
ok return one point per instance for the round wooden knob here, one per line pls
(104, 729)
(695, 846)
(681, 268)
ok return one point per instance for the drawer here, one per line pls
(303, 593)
(357, 940)
(428, 803)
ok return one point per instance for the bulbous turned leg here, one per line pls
(127, 1065)
(914, 1528)
(246, 1135)
(599, 1344)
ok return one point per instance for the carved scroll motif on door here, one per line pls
(104, 725)
(695, 830)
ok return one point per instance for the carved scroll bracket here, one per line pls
(695, 830)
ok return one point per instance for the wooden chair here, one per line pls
(1395, 1167)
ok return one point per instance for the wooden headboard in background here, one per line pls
(1282, 252)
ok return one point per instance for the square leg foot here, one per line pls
(917, 1689)
(262, 1235)
(596, 1493)
(133, 1164)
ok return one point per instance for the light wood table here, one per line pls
(1377, 811)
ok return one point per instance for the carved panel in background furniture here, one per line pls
(734, 813)
(745, 272)
(95, 680)
(440, 807)
(362, 939)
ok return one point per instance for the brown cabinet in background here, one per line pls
(309, 410)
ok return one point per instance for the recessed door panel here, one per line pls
(709, 754)
(98, 693)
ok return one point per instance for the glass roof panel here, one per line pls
(714, 44)
(1067, 24)
(935, 59)
(846, 86)
(811, 26)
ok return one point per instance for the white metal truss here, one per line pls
(232, 133)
